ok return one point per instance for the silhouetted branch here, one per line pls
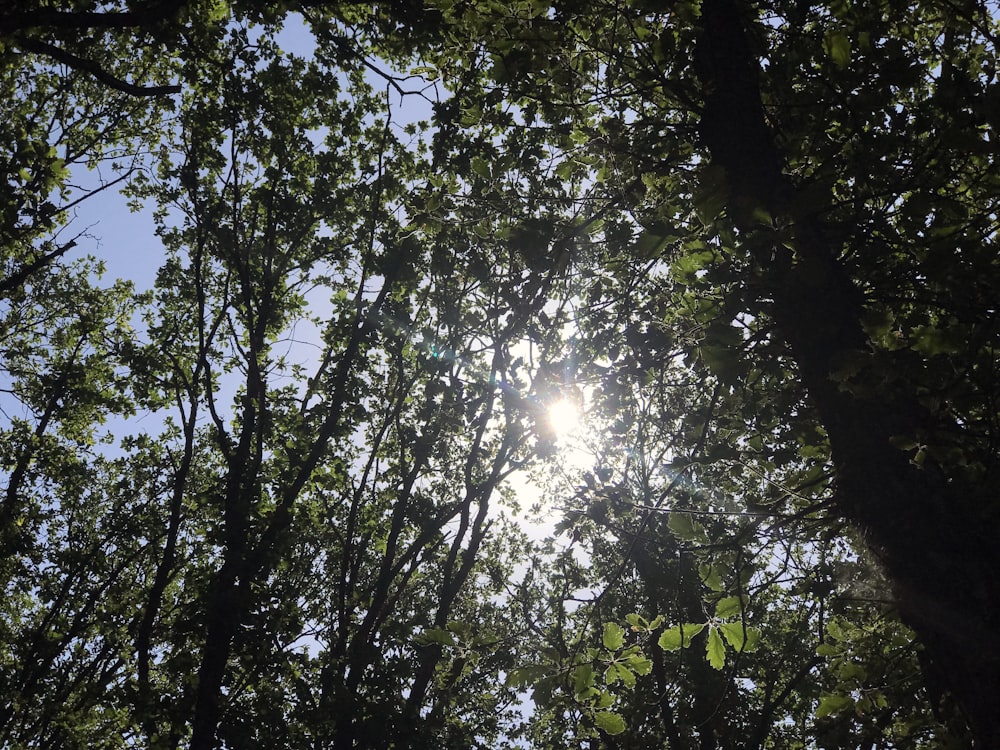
(49, 18)
(89, 66)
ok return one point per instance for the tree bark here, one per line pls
(931, 531)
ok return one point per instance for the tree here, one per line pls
(674, 536)
(875, 409)
(309, 509)
(758, 239)
(807, 170)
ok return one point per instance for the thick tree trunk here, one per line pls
(227, 605)
(933, 534)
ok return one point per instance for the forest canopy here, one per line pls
(514, 375)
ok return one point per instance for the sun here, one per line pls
(564, 417)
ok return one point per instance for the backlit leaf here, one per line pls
(715, 649)
(838, 47)
(679, 636)
(614, 636)
(610, 722)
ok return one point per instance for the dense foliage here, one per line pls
(289, 495)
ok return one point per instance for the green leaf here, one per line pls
(708, 204)
(849, 671)
(679, 636)
(738, 636)
(481, 167)
(715, 649)
(524, 676)
(723, 361)
(614, 636)
(637, 621)
(710, 576)
(565, 170)
(832, 704)
(650, 245)
(685, 527)
(610, 722)
(838, 47)
(462, 629)
(620, 672)
(931, 341)
(583, 679)
(639, 664)
(626, 675)
(435, 635)
(712, 194)
(729, 606)
(903, 442)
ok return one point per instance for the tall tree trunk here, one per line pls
(931, 531)
(227, 605)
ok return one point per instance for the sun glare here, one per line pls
(564, 417)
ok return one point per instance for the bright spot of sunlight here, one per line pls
(564, 417)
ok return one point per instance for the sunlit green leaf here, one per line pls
(740, 637)
(715, 649)
(614, 636)
(729, 606)
(679, 636)
(610, 722)
(583, 678)
(639, 664)
(710, 576)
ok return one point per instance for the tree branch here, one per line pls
(21, 275)
(59, 19)
(89, 66)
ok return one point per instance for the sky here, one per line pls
(125, 240)
(127, 243)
